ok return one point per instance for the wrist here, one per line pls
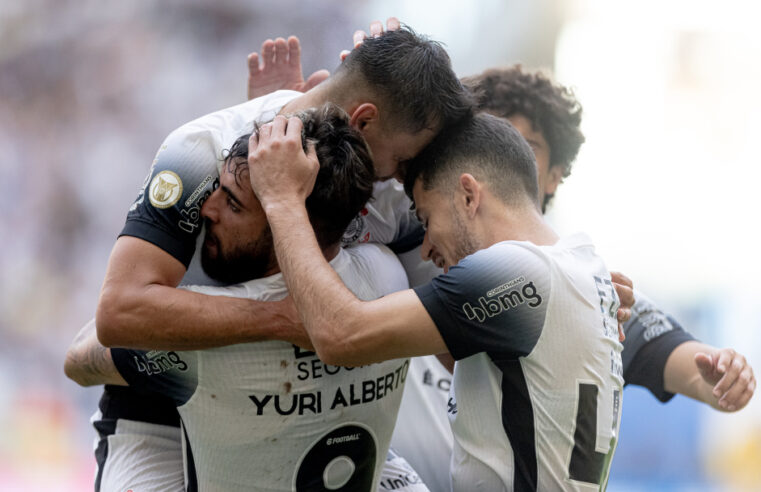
(279, 206)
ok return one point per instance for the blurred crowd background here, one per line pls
(664, 184)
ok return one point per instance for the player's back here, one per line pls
(271, 416)
(556, 403)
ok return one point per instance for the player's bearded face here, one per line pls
(237, 258)
(238, 242)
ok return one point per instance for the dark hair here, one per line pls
(345, 180)
(413, 78)
(487, 147)
(552, 109)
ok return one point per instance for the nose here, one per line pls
(210, 208)
(426, 249)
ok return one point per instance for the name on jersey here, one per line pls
(157, 362)
(502, 299)
(349, 395)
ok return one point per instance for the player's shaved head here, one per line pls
(487, 147)
(410, 76)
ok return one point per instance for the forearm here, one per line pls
(166, 318)
(88, 363)
(328, 309)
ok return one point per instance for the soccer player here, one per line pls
(268, 415)
(531, 318)
(659, 354)
(140, 305)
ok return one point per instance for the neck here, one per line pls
(526, 224)
(337, 89)
(314, 97)
(328, 252)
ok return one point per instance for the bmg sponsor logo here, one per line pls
(504, 301)
(159, 362)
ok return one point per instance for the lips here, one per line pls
(210, 242)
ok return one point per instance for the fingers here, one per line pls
(731, 372)
(742, 388)
(623, 315)
(724, 360)
(292, 127)
(268, 53)
(620, 278)
(625, 294)
(359, 37)
(263, 134)
(344, 54)
(294, 51)
(621, 334)
(253, 64)
(745, 397)
(731, 399)
(281, 51)
(392, 24)
(376, 28)
(316, 78)
(253, 142)
(279, 125)
(704, 363)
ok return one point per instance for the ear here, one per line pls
(472, 193)
(363, 115)
(554, 178)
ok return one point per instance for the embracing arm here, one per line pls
(140, 307)
(89, 363)
(351, 331)
(721, 378)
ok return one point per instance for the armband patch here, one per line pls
(165, 189)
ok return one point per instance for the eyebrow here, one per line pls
(232, 196)
(533, 142)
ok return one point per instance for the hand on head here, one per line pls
(280, 171)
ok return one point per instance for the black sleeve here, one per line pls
(651, 336)
(173, 374)
(167, 211)
(493, 301)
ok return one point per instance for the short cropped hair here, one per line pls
(345, 180)
(487, 147)
(413, 78)
(551, 108)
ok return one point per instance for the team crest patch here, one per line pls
(353, 230)
(165, 189)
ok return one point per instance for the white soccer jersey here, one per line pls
(537, 385)
(270, 416)
(386, 219)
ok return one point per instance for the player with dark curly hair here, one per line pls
(531, 98)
